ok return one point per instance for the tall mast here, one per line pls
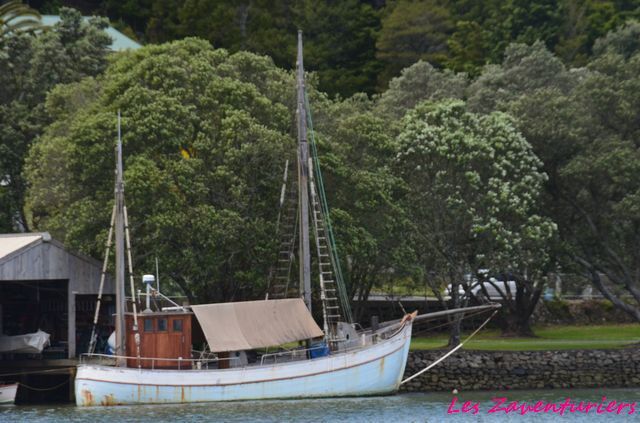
(119, 252)
(303, 184)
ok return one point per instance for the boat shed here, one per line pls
(44, 286)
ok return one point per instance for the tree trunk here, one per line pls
(516, 311)
(454, 334)
(593, 273)
(516, 325)
(456, 320)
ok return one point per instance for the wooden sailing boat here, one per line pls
(153, 361)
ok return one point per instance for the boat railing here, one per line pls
(300, 353)
(182, 363)
(364, 339)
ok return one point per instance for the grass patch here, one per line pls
(549, 338)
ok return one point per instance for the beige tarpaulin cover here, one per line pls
(255, 324)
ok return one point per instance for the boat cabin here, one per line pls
(165, 340)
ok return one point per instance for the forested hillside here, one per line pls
(359, 45)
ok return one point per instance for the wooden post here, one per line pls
(303, 184)
(72, 378)
(71, 321)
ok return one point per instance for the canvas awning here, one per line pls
(255, 324)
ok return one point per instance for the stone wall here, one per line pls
(489, 370)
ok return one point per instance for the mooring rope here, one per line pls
(35, 372)
(44, 389)
(438, 361)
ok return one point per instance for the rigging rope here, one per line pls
(136, 332)
(433, 328)
(94, 335)
(438, 361)
(335, 261)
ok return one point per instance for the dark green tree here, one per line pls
(473, 186)
(625, 41)
(205, 137)
(340, 39)
(417, 83)
(31, 65)
(583, 124)
(339, 36)
(601, 182)
(412, 31)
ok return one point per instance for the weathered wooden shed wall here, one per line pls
(47, 259)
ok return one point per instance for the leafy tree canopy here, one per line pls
(31, 65)
(625, 41)
(525, 69)
(583, 124)
(205, 136)
(417, 83)
(473, 186)
(412, 31)
(601, 182)
(339, 36)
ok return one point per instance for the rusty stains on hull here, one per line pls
(109, 399)
(87, 397)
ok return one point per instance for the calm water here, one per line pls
(397, 408)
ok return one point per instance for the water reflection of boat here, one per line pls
(8, 393)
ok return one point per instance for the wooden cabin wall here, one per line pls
(157, 343)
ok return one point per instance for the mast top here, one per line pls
(299, 58)
(302, 112)
(119, 180)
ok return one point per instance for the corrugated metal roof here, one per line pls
(10, 243)
(119, 40)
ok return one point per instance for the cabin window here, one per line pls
(177, 325)
(148, 325)
(162, 325)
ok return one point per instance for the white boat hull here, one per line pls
(8, 394)
(377, 369)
